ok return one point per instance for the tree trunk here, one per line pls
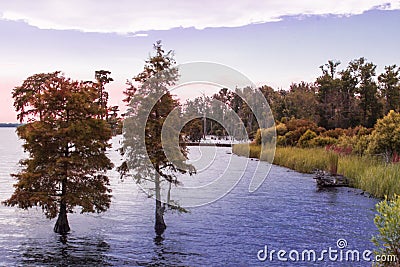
(160, 225)
(62, 225)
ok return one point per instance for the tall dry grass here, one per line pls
(367, 173)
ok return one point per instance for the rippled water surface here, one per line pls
(286, 212)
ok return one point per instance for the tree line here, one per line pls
(353, 96)
(345, 98)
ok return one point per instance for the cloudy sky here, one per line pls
(272, 42)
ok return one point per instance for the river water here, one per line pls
(285, 213)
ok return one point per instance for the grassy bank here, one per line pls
(365, 173)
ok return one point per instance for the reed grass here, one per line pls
(372, 175)
(247, 150)
(367, 173)
(301, 159)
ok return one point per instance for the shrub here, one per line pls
(306, 138)
(358, 130)
(320, 130)
(357, 144)
(292, 137)
(294, 124)
(281, 141)
(334, 133)
(388, 222)
(284, 120)
(361, 144)
(321, 141)
(281, 129)
(385, 137)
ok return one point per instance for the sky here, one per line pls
(271, 42)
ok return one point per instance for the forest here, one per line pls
(342, 110)
(347, 98)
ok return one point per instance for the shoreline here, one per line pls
(365, 173)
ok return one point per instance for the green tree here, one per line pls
(196, 109)
(154, 159)
(66, 141)
(388, 222)
(194, 130)
(338, 105)
(302, 101)
(348, 103)
(390, 88)
(221, 106)
(254, 104)
(246, 114)
(225, 96)
(330, 68)
(274, 99)
(364, 72)
(280, 106)
(113, 120)
(102, 78)
(328, 95)
(385, 138)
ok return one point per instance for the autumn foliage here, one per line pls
(66, 138)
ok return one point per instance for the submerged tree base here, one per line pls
(62, 225)
(160, 228)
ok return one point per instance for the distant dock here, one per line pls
(208, 144)
(211, 140)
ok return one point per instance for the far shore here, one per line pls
(9, 125)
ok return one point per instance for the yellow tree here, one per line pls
(385, 138)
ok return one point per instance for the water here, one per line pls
(287, 212)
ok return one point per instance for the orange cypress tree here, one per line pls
(66, 139)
